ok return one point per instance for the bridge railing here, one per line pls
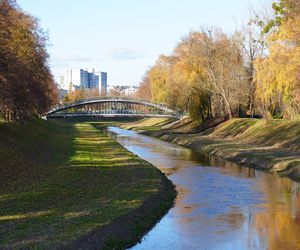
(66, 104)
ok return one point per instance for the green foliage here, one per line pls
(282, 11)
(200, 106)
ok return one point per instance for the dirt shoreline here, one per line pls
(117, 234)
(277, 161)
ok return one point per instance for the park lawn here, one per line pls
(61, 180)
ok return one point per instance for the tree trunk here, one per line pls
(227, 107)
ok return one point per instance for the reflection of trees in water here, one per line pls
(281, 230)
(225, 167)
(230, 168)
(277, 224)
(279, 221)
(273, 223)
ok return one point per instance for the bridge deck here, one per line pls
(66, 115)
(90, 107)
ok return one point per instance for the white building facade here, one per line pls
(123, 90)
(73, 79)
(130, 90)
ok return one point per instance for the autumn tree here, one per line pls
(254, 47)
(115, 92)
(81, 94)
(188, 88)
(144, 91)
(26, 85)
(220, 62)
(205, 75)
(278, 73)
(158, 77)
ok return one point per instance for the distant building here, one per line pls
(130, 90)
(73, 79)
(103, 82)
(93, 80)
(124, 91)
(62, 82)
(62, 93)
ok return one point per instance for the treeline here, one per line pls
(27, 87)
(80, 94)
(253, 72)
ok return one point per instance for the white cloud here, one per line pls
(125, 54)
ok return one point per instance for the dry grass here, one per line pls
(147, 123)
(273, 146)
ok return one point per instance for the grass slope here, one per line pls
(60, 182)
(273, 146)
(152, 123)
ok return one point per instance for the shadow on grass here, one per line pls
(68, 179)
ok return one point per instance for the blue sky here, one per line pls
(125, 37)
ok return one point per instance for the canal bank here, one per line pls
(66, 184)
(272, 147)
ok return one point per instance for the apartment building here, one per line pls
(73, 79)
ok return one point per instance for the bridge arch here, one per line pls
(112, 107)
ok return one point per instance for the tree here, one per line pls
(254, 46)
(158, 76)
(204, 75)
(278, 74)
(27, 86)
(115, 92)
(282, 11)
(188, 87)
(144, 91)
(217, 69)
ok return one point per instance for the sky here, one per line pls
(125, 37)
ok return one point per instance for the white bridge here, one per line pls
(111, 107)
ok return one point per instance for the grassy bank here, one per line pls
(273, 146)
(69, 185)
(148, 124)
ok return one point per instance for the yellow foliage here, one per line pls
(277, 75)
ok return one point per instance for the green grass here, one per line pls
(59, 181)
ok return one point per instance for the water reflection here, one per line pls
(220, 205)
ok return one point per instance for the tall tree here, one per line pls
(278, 74)
(204, 75)
(254, 46)
(217, 71)
(158, 76)
(27, 86)
(144, 91)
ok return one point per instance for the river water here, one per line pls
(220, 205)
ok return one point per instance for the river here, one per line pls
(220, 205)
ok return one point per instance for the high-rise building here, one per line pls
(93, 80)
(103, 82)
(79, 79)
